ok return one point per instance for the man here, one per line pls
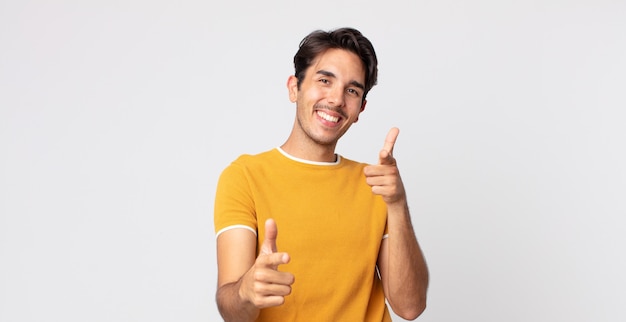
(346, 240)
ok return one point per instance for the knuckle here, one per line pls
(259, 275)
(258, 302)
(257, 287)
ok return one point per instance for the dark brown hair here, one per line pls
(349, 39)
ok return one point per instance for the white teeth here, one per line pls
(327, 117)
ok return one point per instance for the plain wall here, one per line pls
(117, 117)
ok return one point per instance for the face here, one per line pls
(330, 97)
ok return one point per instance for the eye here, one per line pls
(324, 81)
(353, 91)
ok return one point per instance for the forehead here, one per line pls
(343, 63)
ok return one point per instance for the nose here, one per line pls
(336, 96)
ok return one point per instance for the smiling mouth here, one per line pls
(328, 117)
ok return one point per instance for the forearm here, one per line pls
(232, 307)
(405, 273)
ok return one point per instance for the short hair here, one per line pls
(348, 39)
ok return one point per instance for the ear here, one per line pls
(362, 109)
(292, 87)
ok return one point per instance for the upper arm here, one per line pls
(235, 225)
(382, 264)
(236, 253)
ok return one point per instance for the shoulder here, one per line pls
(247, 161)
(259, 158)
(352, 163)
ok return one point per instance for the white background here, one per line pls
(116, 118)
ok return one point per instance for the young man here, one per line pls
(346, 241)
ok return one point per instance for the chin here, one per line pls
(324, 139)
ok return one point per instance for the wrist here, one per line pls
(398, 205)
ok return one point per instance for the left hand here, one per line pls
(384, 178)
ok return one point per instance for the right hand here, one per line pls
(263, 285)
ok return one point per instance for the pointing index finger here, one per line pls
(385, 156)
(390, 140)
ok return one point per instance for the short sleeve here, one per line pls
(234, 204)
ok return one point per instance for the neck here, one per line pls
(308, 150)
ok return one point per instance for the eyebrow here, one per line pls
(330, 74)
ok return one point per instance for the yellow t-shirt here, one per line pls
(329, 222)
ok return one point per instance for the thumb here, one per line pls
(271, 232)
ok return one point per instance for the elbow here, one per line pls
(411, 312)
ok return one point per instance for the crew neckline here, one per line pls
(336, 162)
